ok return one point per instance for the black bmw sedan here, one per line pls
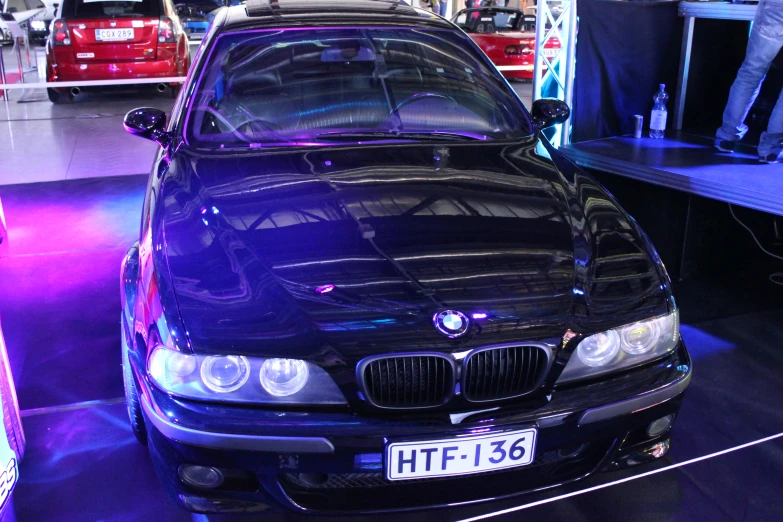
(365, 281)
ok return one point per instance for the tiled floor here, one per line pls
(59, 305)
(40, 141)
(44, 142)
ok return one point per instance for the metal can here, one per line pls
(638, 123)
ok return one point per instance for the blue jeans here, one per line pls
(443, 5)
(766, 39)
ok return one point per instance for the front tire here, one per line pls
(132, 401)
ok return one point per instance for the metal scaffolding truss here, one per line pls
(556, 22)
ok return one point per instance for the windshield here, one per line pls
(111, 9)
(490, 21)
(347, 85)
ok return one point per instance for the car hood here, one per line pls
(349, 251)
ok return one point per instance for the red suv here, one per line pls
(109, 40)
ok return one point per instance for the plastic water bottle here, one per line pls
(659, 113)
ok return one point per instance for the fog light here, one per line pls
(202, 477)
(660, 426)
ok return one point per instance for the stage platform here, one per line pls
(690, 164)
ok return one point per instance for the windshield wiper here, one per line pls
(391, 135)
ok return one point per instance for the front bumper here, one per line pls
(270, 457)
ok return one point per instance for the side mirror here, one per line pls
(548, 112)
(147, 122)
(55, 6)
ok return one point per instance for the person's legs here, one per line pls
(771, 142)
(764, 44)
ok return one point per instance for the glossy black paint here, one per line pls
(233, 245)
(483, 229)
(149, 123)
(547, 112)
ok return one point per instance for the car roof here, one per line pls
(258, 14)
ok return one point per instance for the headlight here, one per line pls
(283, 377)
(623, 347)
(599, 349)
(224, 373)
(227, 378)
(38, 25)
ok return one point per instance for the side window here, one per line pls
(461, 19)
(16, 6)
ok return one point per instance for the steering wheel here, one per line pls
(420, 96)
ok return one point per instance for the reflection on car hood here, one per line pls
(254, 239)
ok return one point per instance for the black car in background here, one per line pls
(365, 281)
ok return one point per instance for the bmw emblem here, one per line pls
(451, 323)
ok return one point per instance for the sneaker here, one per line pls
(771, 158)
(724, 145)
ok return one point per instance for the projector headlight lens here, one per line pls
(283, 377)
(226, 378)
(225, 373)
(623, 347)
(641, 337)
(599, 349)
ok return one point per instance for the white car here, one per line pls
(36, 15)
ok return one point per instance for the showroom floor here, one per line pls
(59, 304)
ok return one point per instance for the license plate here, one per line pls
(113, 35)
(551, 53)
(476, 454)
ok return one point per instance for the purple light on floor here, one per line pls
(479, 316)
(325, 289)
